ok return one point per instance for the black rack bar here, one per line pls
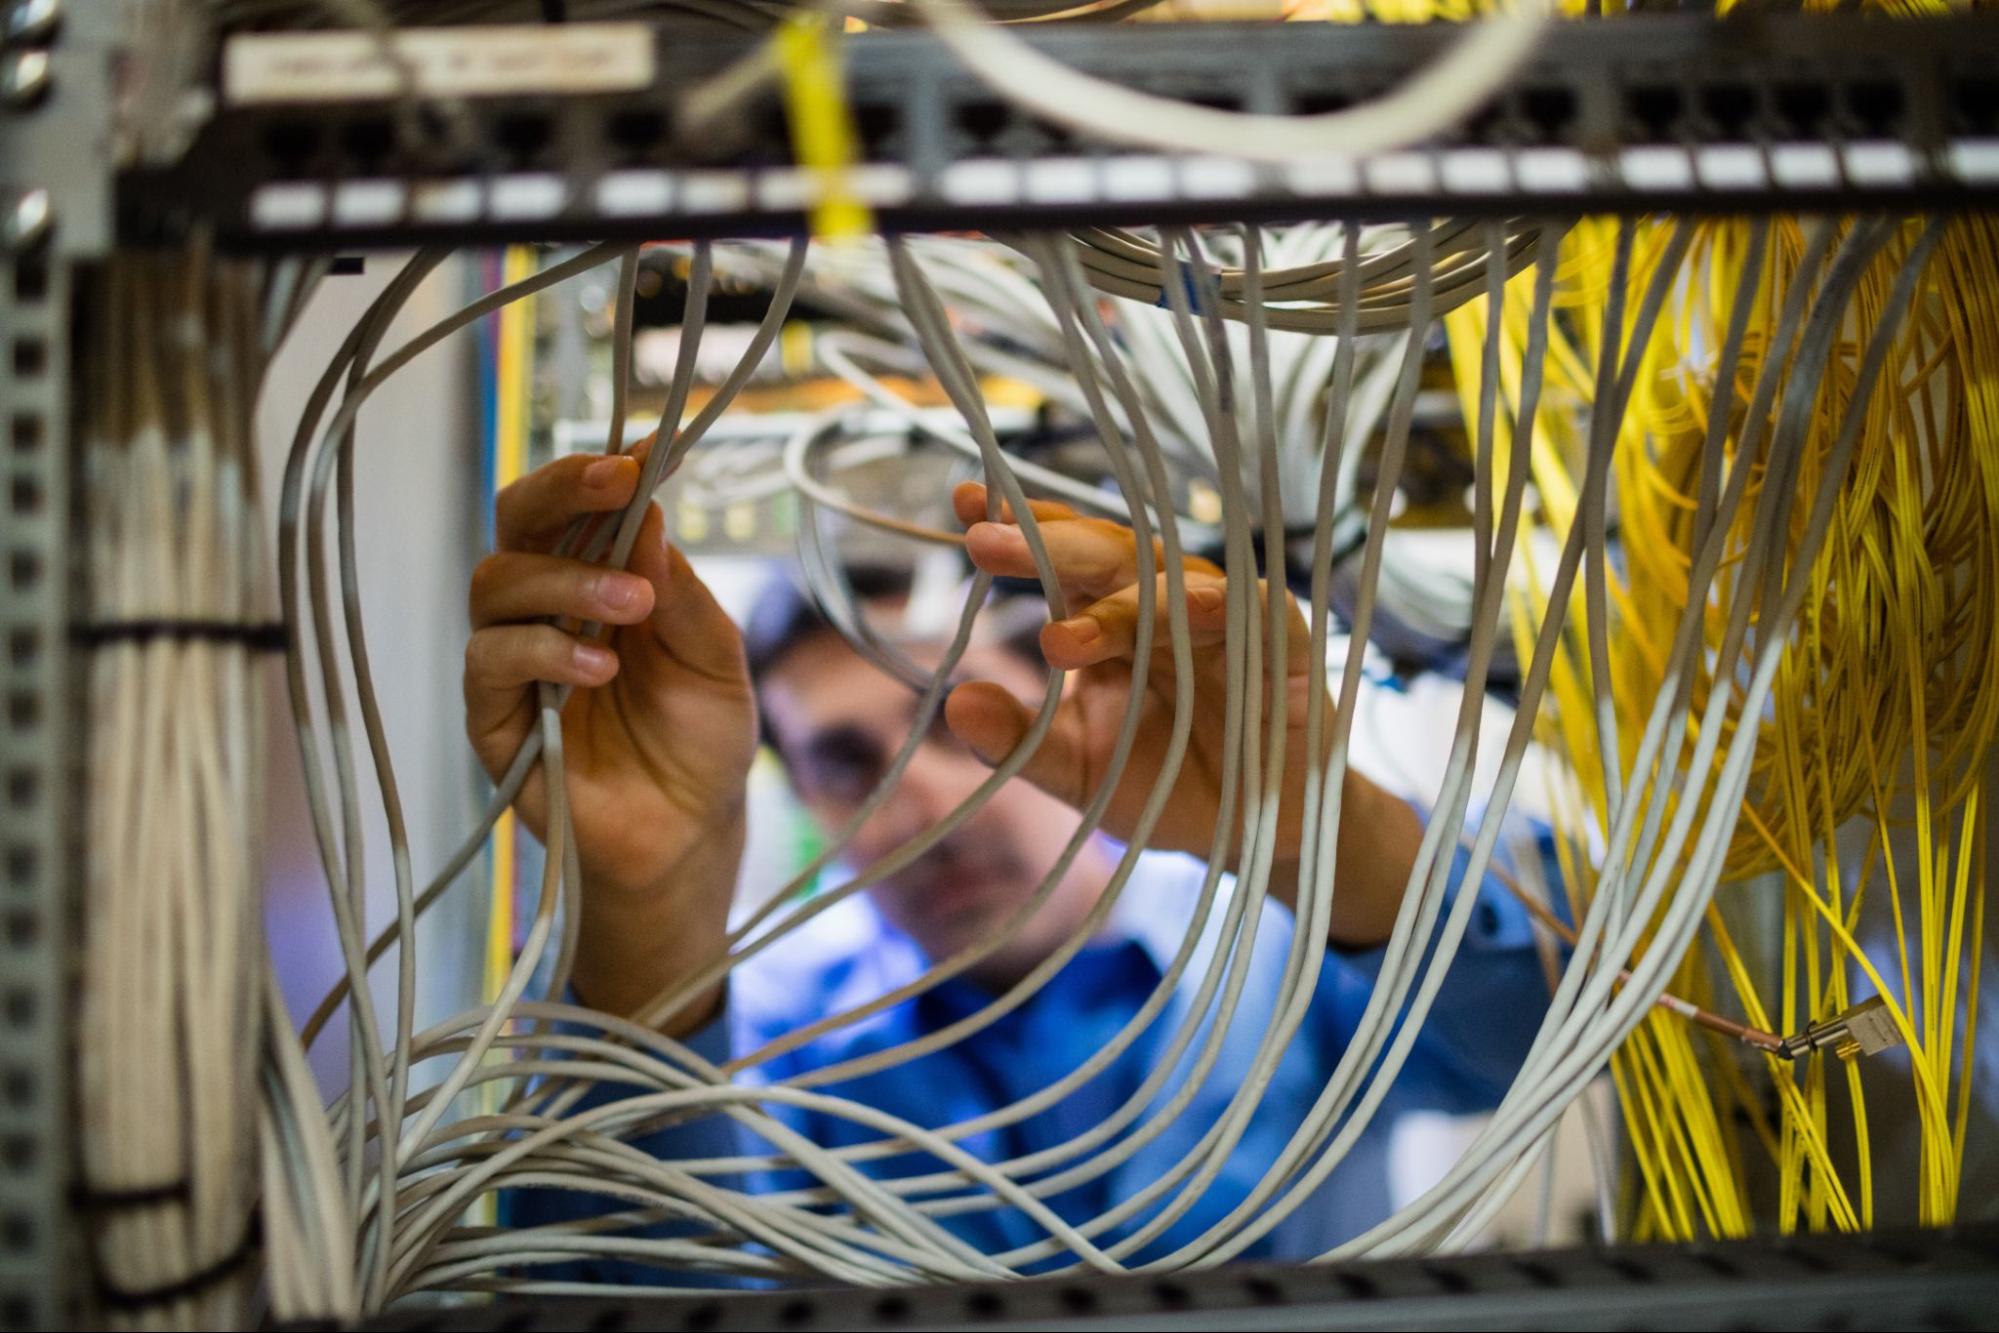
(1648, 111)
(1901, 1279)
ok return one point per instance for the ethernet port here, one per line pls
(522, 137)
(292, 145)
(368, 143)
(1876, 106)
(1732, 108)
(1803, 109)
(635, 132)
(1655, 111)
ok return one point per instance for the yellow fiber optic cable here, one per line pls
(1904, 582)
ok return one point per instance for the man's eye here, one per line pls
(849, 782)
(844, 765)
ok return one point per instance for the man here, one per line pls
(659, 739)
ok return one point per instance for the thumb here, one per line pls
(687, 623)
(993, 723)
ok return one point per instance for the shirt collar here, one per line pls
(1159, 901)
(1153, 911)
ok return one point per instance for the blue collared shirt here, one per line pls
(1473, 1040)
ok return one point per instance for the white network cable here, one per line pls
(1006, 329)
(173, 971)
(1435, 99)
(850, 1227)
(363, 1201)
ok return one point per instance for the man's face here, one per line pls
(839, 722)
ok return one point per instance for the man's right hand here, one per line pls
(657, 737)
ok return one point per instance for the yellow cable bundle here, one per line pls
(1883, 713)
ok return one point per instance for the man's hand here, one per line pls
(657, 739)
(1097, 564)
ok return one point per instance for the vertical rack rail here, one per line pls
(55, 187)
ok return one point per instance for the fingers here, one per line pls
(508, 658)
(675, 620)
(1108, 628)
(992, 722)
(517, 585)
(1097, 559)
(530, 514)
(1092, 557)
(502, 661)
(968, 499)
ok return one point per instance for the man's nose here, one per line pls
(929, 789)
(907, 811)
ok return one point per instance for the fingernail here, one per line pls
(1083, 629)
(592, 660)
(616, 591)
(1205, 599)
(602, 472)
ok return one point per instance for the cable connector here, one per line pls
(1865, 1029)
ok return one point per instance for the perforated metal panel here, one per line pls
(1763, 110)
(34, 787)
(54, 184)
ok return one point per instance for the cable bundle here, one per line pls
(173, 970)
(375, 1187)
(409, 1171)
(1849, 744)
(1002, 320)
(1751, 447)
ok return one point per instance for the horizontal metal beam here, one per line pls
(1647, 111)
(1908, 1279)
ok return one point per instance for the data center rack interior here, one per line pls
(1690, 115)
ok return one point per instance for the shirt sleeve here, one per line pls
(1486, 1013)
(701, 1137)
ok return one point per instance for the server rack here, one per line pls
(1760, 112)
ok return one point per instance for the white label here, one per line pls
(1551, 170)
(1658, 167)
(1731, 167)
(527, 197)
(489, 61)
(1880, 162)
(787, 188)
(715, 192)
(882, 184)
(1325, 176)
(1976, 161)
(368, 203)
(981, 180)
(1217, 177)
(1800, 166)
(1400, 173)
(1062, 180)
(625, 194)
(286, 207)
(1475, 171)
(1138, 177)
(447, 200)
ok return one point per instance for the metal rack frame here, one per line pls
(55, 212)
(1680, 112)
(1654, 111)
(1910, 1279)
